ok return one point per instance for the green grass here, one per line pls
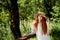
(6, 34)
(54, 29)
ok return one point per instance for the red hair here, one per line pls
(43, 23)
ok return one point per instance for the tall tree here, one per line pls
(15, 19)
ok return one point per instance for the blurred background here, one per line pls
(27, 9)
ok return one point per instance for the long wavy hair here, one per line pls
(43, 23)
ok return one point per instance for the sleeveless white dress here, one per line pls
(41, 36)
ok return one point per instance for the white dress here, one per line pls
(39, 34)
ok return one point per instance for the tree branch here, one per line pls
(25, 37)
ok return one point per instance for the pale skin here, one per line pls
(39, 19)
(47, 21)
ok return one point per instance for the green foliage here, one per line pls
(56, 12)
(25, 27)
(5, 31)
(4, 16)
(27, 9)
(55, 31)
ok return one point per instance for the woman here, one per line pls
(41, 27)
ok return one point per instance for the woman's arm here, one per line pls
(32, 28)
(47, 21)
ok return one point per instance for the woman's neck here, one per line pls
(40, 22)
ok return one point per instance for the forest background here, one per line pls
(27, 9)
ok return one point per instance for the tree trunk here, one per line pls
(15, 19)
